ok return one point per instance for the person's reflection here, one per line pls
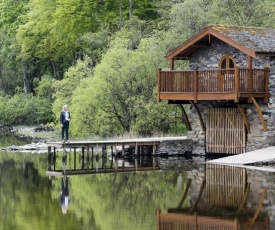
(64, 194)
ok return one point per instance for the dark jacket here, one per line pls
(62, 117)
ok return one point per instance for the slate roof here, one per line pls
(250, 40)
(258, 39)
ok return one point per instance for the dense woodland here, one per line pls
(100, 58)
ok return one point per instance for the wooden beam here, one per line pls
(172, 64)
(250, 78)
(237, 84)
(158, 219)
(247, 190)
(199, 196)
(260, 204)
(158, 79)
(208, 32)
(185, 192)
(185, 118)
(266, 83)
(195, 85)
(247, 126)
(199, 114)
(260, 113)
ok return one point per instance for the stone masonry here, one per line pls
(209, 58)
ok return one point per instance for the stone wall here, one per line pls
(174, 147)
(209, 58)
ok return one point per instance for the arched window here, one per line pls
(227, 62)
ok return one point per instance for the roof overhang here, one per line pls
(203, 39)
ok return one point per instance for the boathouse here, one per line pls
(227, 96)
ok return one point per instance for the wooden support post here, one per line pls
(104, 156)
(200, 116)
(185, 118)
(92, 157)
(123, 150)
(196, 221)
(123, 155)
(259, 113)
(88, 157)
(237, 84)
(154, 149)
(82, 157)
(116, 157)
(236, 224)
(158, 219)
(266, 82)
(54, 158)
(250, 79)
(154, 163)
(159, 82)
(172, 64)
(136, 149)
(49, 158)
(195, 85)
(112, 156)
(74, 158)
(245, 120)
(136, 163)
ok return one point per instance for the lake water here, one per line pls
(217, 196)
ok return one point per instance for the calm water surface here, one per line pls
(31, 199)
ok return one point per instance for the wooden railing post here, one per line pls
(266, 80)
(195, 85)
(237, 83)
(250, 84)
(159, 84)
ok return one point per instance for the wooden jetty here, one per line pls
(91, 156)
(250, 159)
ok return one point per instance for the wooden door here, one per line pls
(225, 131)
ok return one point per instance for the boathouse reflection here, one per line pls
(225, 198)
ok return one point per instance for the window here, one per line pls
(227, 62)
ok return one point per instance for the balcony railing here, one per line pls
(219, 84)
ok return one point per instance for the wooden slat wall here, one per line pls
(225, 131)
(173, 221)
(225, 185)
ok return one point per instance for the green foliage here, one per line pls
(103, 56)
(121, 97)
(24, 109)
(44, 90)
(11, 12)
(65, 89)
(259, 13)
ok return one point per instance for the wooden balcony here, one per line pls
(219, 84)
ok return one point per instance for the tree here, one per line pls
(258, 13)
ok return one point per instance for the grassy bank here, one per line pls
(29, 131)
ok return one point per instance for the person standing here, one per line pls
(65, 118)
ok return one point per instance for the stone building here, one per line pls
(227, 97)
